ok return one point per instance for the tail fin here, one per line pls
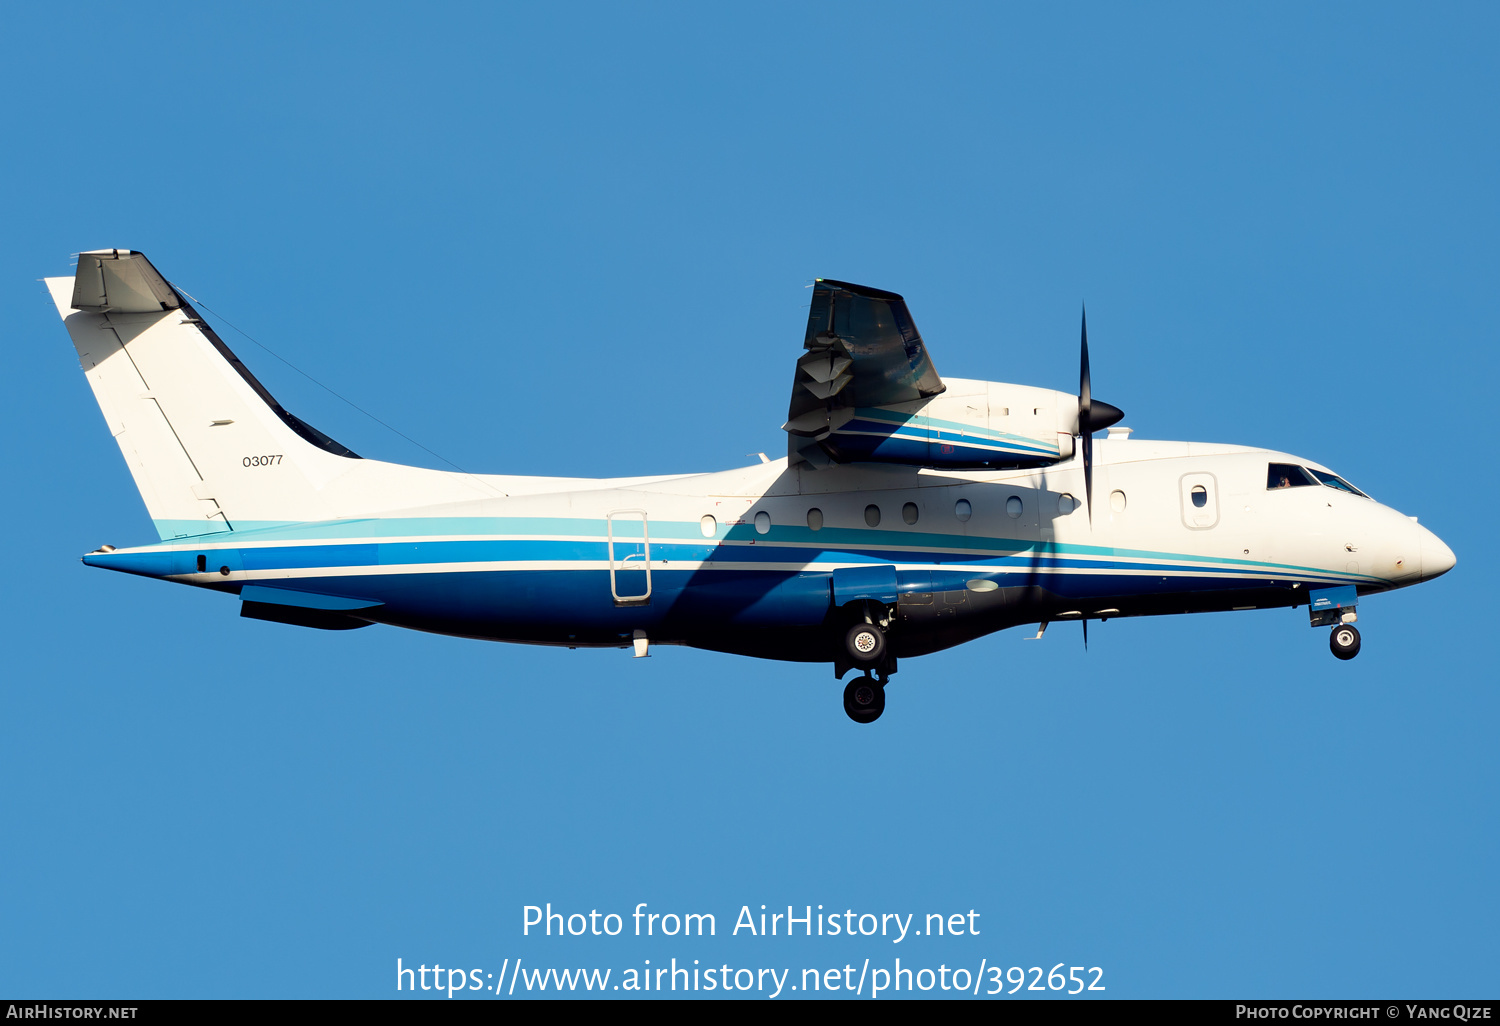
(209, 448)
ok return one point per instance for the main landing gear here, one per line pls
(864, 699)
(865, 648)
(865, 644)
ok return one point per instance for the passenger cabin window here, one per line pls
(1287, 475)
(708, 525)
(1200, 501)
(1014, 506)
(963, 510)
(815, 519)
(1334, 481)
(762, 522)
(872, 515)
(909, 513)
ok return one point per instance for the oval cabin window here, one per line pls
(963, 510)
(1117, 501)
(1066, 504)
(708, 525)
(815, 519)
(762, 522)
(1014, 506)
(909, 513)
(872, 515)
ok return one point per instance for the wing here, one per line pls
(863, 351)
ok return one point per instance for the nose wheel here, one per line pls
(1344, 641)
(864, 699)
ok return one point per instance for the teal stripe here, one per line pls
(171, 530)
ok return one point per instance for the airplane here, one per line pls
(910, 514)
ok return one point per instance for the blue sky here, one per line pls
(573, 239)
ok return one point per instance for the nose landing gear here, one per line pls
(1344, 641)
(1335, 606)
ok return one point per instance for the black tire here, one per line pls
(1344, 641)
(864, 700)
(865, 644)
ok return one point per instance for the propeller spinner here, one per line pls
(1092, 416)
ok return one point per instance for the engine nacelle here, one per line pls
(971, 425)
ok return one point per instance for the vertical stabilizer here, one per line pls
(209, 448)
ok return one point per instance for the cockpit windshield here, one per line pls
(1334, 481)
(1287, 475)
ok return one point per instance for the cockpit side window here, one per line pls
(1287, 475)
(1334, 481)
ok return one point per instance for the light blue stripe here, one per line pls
(741, 543)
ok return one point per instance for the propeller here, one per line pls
(1092, 416)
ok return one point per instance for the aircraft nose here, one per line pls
(1437, 558)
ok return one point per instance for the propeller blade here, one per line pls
(1084, 399)
(1092, 416)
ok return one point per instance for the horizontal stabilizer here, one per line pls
(120, 281)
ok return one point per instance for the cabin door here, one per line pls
(629, 557)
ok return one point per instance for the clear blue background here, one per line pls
(573, 239)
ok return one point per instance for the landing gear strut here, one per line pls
(1344, 641)
(864, 699)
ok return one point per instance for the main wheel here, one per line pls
(865, 644)
(864, 700)
(1344, 641)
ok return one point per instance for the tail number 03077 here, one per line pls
(261, 461)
